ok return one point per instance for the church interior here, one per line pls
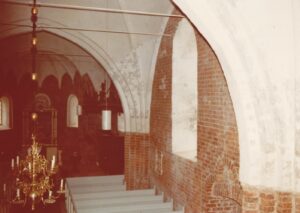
(195, 102)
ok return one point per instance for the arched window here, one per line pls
(73, 110)
(4, 113)
(184, 92)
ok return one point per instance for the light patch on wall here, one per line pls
(297, 171)
(269, 168)
(286, 173)
(297, 143)
(268, 147)
(227, 185)
(158, 167)
(163, 85)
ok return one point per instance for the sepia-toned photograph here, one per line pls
(149, 106)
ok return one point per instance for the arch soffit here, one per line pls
(238, 60)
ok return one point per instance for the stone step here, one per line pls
(137, 207)
(113, 179)
(113, 194)
(123, 201)
(95, 188)
(108, 195)
(153, 211)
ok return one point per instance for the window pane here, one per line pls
(72, 115)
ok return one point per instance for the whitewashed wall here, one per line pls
(257, 43)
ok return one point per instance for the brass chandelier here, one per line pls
(34, 177)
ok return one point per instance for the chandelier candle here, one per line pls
(53, 162)
(12, 164)
(18, 193)
(61, 184)
(29, 166)
(17, 160)
(50, 194)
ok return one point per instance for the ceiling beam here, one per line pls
(94, 9)
(41, 27)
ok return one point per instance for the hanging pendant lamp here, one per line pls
(106, 119)
(106, 113)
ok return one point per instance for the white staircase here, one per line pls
(107, 194)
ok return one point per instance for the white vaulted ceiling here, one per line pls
(127, 52)
(62, 58)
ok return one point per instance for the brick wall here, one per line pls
(218, 149)
(137, 161)
(262, 200)
(210, 184)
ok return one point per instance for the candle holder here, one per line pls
(61, 187)
(17, 199)
(51, 199)
(61, 191)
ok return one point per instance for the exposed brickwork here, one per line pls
(137, 161)
(210, 184)
(297, 203)
(250, 201)
(284, 202)
(256, 200)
